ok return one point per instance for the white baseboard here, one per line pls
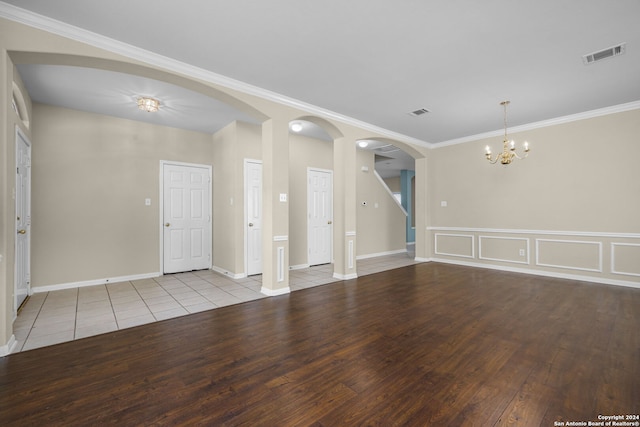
(397, 251)
(228, 273)
(71, 285)
(299, 266)
(275, 292)
(420, 259)
(345, 276)
(9, 346)
(579, 277)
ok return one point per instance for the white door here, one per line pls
(320, 214)
(253, 216)
(23, 219)
(186, 217)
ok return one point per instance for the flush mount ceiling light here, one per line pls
(296, 126)
(363, 144)
(150, 105)
(508, 147)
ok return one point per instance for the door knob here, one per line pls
(250, 224)
(167, 224)
(23, 231)
(329, 222)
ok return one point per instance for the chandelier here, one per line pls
(508, 147)
(150, 105)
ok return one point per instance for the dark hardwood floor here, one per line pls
(429, 344)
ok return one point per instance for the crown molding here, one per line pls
(54, 26)
(544, 123)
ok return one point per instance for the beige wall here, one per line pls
(381, 223)
(303, 153)
(231, 146)
(225, 200)
(91, 174)
(394, 184)
(580, 183)
(381, 229)
(90, 177)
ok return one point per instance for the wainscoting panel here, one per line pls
(460, 245)
(505, 249)
(625, 258)
(570, 254)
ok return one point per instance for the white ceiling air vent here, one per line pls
(590, 58)
(419, 112)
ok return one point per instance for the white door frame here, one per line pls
(330, 172)
(20, 135)
(161, 205)
(246, 217)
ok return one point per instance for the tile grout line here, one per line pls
(198, 292)
(34, 321)
(111, 303)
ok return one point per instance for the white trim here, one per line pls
(613, 258)
(312, 168)
(350, 255)
(6, 349)
(420, 259)
(299, 267)
(280, 238)
(544, 232)
(599, 244)
(345, 276)
(280, 263)
(105, 281)
(541, 273)
(53, 26)
(528, 261)
(386, 187)
(544, 123)
(161, 205)
(366, 256)
(350, 233)
(435, 239)
(228, 273)
(275, 292)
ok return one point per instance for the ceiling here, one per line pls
(116, 94)
(369, 60)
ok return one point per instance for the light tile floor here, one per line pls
(59, 316)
